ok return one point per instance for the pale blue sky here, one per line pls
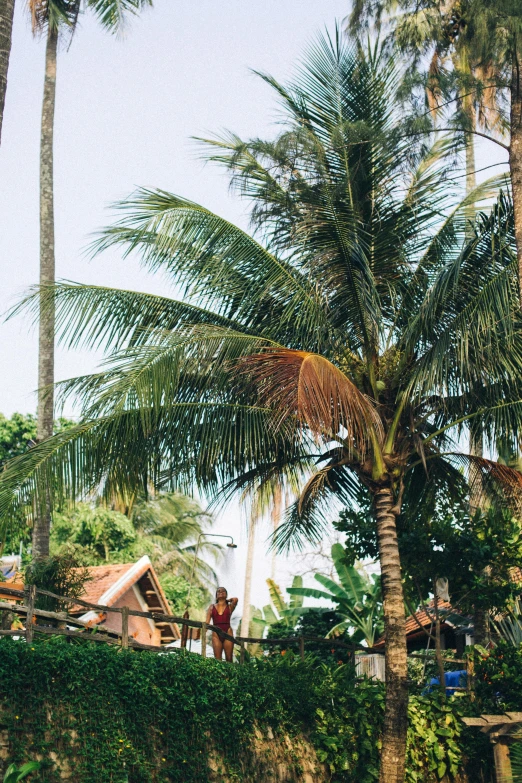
(126, 109)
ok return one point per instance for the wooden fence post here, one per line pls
(242, 652)
(203, 638)
(301, 647)
(125, 627)
(30, 597)
(502, 758)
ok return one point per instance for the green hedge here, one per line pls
(158, 718)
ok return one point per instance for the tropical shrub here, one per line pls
(159, 718)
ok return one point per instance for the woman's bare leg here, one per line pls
(217, 646)
(228, 647)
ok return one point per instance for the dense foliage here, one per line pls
(159, 718)
(439, 537)
(498, 678)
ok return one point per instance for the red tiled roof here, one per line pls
(101, 578)
(423, 618)
(411, 625)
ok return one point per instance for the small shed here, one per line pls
(135, 585)
(452, 637)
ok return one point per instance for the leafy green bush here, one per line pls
(14, 775)
(176, 589)
(498, 678)
(158, 718)
(97, 530)
(62, 574)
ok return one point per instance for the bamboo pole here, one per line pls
(125, 627)
(31, 594)
(203, 640)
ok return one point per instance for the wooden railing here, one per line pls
(96, 633)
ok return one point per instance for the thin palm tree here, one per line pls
(171, 524)
(56, 19)
(484, 37)
(346, 346)
(6, 31)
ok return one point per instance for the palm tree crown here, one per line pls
(347, 343)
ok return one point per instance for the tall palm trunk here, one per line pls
(6, 31)
(42, 521)
(396, 705)
(515, 158)
(245, 621)
(480, 618)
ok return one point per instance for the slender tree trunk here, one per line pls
(47, 317)
(393, 753)
(515, 158)
(276, 519)
(6, 31)
(438, 648)
(471, 183)
(245, 620)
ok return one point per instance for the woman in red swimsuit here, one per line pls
(220, 614)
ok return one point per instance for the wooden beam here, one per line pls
(125, 627)
(502, 758)
(31, 594)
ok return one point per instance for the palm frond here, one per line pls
(222, 267)
(113, 14)
(310, 388)
(97, 316)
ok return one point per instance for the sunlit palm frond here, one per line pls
(221, 266)
(113, 14)
(311, 389)
(96, 316)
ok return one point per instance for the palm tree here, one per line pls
(346, 346)
(483, 36)
(170, 524)
(6, 30)
(357, 595)
(56, 18)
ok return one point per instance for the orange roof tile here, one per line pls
(411, 625)
(424, 618)
(101, 578)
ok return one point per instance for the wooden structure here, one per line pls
(502, 730)
(74, 624)
(136, 586)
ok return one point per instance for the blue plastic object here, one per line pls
(452, 680)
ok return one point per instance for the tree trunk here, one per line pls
(245, 620)
(42, 521)
(515, 159)
(6, 31)
(438, 648)
(480, 626)
(276, 519)
(393, 753)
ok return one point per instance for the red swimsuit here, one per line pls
(222, 621)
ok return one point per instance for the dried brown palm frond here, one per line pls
(56, 14)
(491, 479)
(489, 110)
(314, 391)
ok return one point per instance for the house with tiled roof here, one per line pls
(455, 633)
(135, 585)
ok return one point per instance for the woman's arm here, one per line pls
(209, 613)
(232, 603)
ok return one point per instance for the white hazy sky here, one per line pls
(126, 109)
